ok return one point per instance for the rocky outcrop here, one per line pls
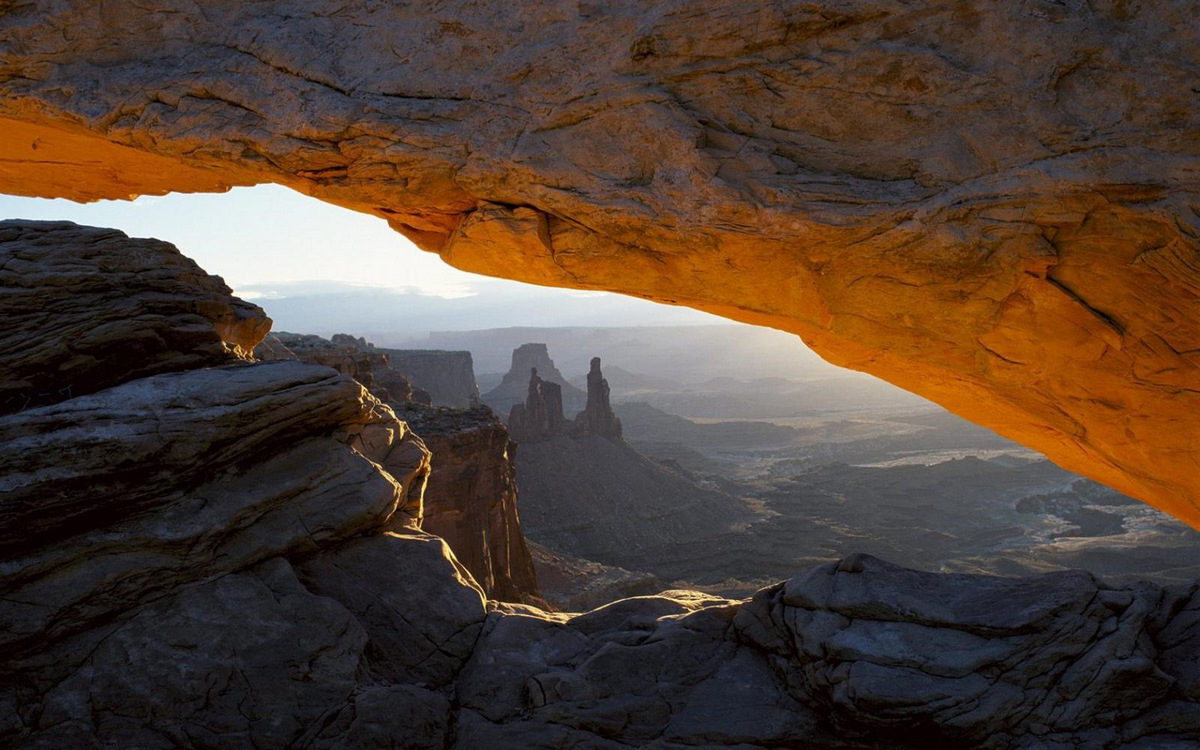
(220, 557)
(86, 308)
(346, 354)
(1060, 659)
(448, 377)
(471, 498)
(109, 498)
(541, 416)
(514, 387)
(986, 203)
(597, 417)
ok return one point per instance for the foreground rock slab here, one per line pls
(87, 308)
(990, 204)
(108, 499)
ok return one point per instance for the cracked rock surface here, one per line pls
(993, 205)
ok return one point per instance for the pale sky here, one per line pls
(268, 235)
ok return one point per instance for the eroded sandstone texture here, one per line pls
(470, 497)
(86, 308)
(991, 204)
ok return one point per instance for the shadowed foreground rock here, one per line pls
(222, 558)
(470, 497)
(991, 204)
(85, 308)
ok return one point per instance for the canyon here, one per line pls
(212, 535)
(990, 204)
(145, 518)
(728, 505)
(469, 496)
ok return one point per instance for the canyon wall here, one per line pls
(470, 495)
(993, 205)
(471, 498)
(448, 377)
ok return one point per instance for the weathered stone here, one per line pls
(181, 476)
(514, 387)
(419, 633)
(448, 376)
(471, 498)
(116, 453)
(541, 416)
(85, 309)
(348, 355)
(597, 418)
(249, 660)
(952, 658)
(990, 204)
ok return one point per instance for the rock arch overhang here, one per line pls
(994, 205)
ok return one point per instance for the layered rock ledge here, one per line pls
(990, 204)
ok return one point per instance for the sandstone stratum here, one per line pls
(994, 205)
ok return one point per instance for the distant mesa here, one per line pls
(434, 377)
(514, 387)
(448, 376)
(348, 355)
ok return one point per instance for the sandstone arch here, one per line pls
(995, 205)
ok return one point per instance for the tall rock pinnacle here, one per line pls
(598, 417)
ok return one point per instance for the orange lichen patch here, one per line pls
(57, 161)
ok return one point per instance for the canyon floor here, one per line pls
(768, 474)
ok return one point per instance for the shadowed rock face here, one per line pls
(87, 308)
(991, 204)
(471, 500)
(470, 496)
(448, 376)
